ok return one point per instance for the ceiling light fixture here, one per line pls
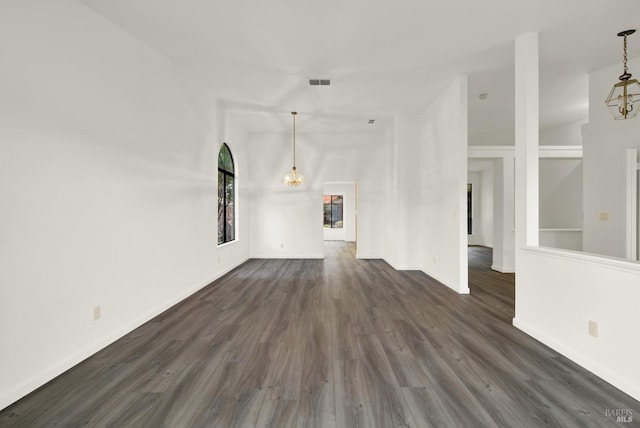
(624, 99)
(293, 177)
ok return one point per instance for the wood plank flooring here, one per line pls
(338, 342)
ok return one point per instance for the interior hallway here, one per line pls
(335, 342)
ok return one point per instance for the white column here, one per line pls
(404, 208)
(527, 122)
(503, 215)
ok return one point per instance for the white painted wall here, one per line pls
(566, 239)
(443, 187)
(403, 249)
(503, 214)
(558, 292)
(561, 190)
(474, 178)
(482, 201)
(348, 231)
(108, 188)
(605, 144)
(287, 222)
(428, 192)
(486, 207)
(569, 134)
(503, 194)
(561, 203)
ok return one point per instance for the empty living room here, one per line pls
(337, 214)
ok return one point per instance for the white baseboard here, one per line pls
(617, 380)
(464, 290)
(400, 267)
(11, 396)
(369, 256)
(503, 269)
(286, 255)
(440, 280)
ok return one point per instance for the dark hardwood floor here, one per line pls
(340, 342)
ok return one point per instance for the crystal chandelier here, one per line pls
(624, 99)
(293, 177)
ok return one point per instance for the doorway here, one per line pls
(340, 221)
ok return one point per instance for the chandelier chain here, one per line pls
(294, 140)
(624, 56)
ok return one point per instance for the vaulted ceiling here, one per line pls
(382, 56)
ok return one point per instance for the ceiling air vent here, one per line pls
(372, 121)
(319, 82)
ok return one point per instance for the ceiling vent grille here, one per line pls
(319, 82)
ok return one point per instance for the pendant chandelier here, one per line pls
(293, 177)
(624, 99)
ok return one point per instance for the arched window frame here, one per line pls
(226, 195)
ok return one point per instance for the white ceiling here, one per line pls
(382, 56)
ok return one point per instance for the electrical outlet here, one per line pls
(96, 313)
(604, 216)
(593, 328)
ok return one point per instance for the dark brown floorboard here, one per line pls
(334, 343)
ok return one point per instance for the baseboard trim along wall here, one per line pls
(18, 392)
(614, 379)
(503, 269)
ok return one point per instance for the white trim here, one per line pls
(440, 280)
(632, 204)
(573, 152)
(228, 243)
(560, 230)
(288, 256)
(464, 290)
(543, 151)
(474, 152)
(618, 381)
(587, 258)
(19, 391)
(503, 269)
(400, 267)
(360, 256)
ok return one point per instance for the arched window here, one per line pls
(226, 196)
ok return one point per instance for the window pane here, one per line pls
(327, 215)
(336, 215)
(225, 160)
(220, 208)
(333, 211)
(226, 196)
(229, 209)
